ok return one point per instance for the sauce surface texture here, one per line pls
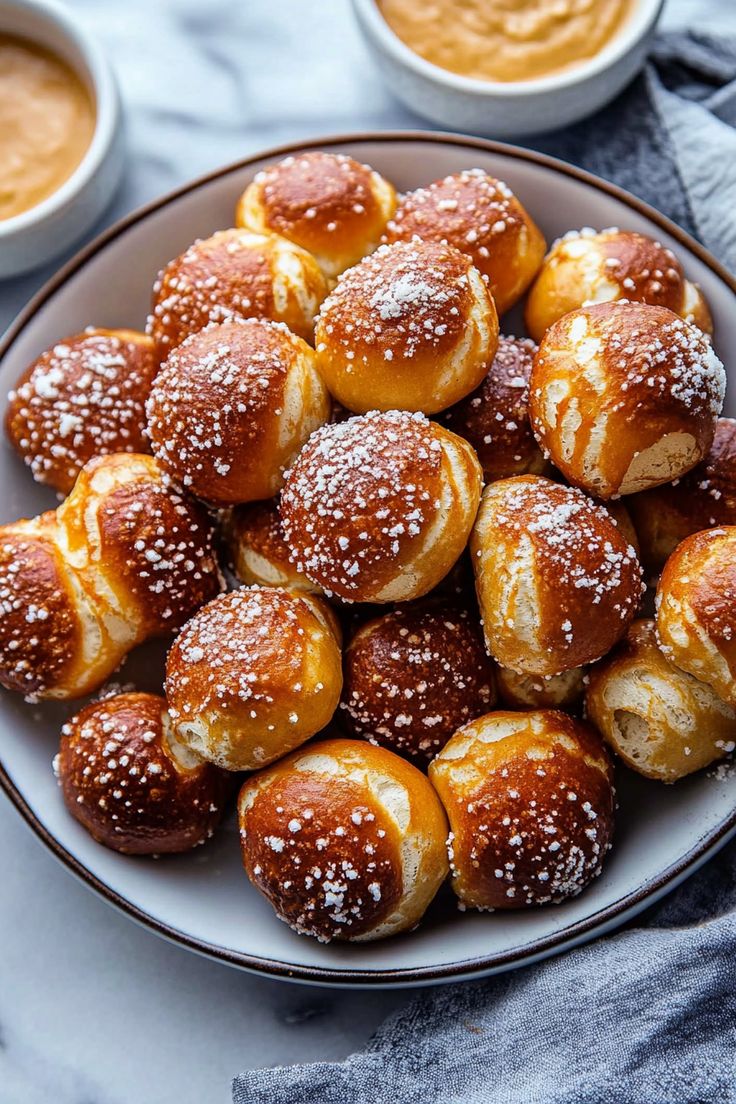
(505, 40)
(47, 119)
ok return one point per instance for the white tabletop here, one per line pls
(92, 1007)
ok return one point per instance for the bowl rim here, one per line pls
(98, 71)
(462, 969)
(637, 26)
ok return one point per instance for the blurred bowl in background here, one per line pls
(53, 225)
(502, 109)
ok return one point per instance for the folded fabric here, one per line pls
(670, 137)
(647, 1016)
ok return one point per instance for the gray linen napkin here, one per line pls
(647, 1016)
(670, 137)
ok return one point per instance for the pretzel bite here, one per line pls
(379, 508)
(345, 840)
(230, 408)
(625, 396)
(530, 801)
(563, 691)
(83, 397)
(660, 720)
(557, 581)
(586, 267)
(123, 558)
(414, 676)
(702, 499)
(253, 675)
(258, 548)
(696, 609)
(231, 276)
(412, 327)
(133, 789)
(495, 417)
(483, 218)
(326, 202)
(43, 620)
(145, 549)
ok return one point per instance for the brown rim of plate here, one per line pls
(572, 935)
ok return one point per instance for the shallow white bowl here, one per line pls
(508, 109)
(49, 228)
(203, 900)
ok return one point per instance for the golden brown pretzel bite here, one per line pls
(327, 203)
(346, 840)
(660, 720)
(412, 327)
(253, 675)
(556, 578)
(696, 609)
(129, 785)
(414, 676)
(83, 397)
(625, 396)
(585, 267)
(124, 558)
(379, 508)
(530, 801)
(233, 275)
(231, 407)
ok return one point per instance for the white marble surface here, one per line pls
(93, 1008)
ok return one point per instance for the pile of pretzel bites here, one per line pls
(472, 566)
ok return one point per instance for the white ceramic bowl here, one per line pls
(203, 900)
(501, 109)
(46, 230)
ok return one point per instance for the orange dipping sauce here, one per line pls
(47, 119)
(505, 40)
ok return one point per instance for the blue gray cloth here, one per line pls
(643, 1017)
(670, 137)
(646, 1016)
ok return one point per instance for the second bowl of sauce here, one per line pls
(507, 68)
(505, 40)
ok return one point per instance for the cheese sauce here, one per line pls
(505, 40)
(47, 119)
